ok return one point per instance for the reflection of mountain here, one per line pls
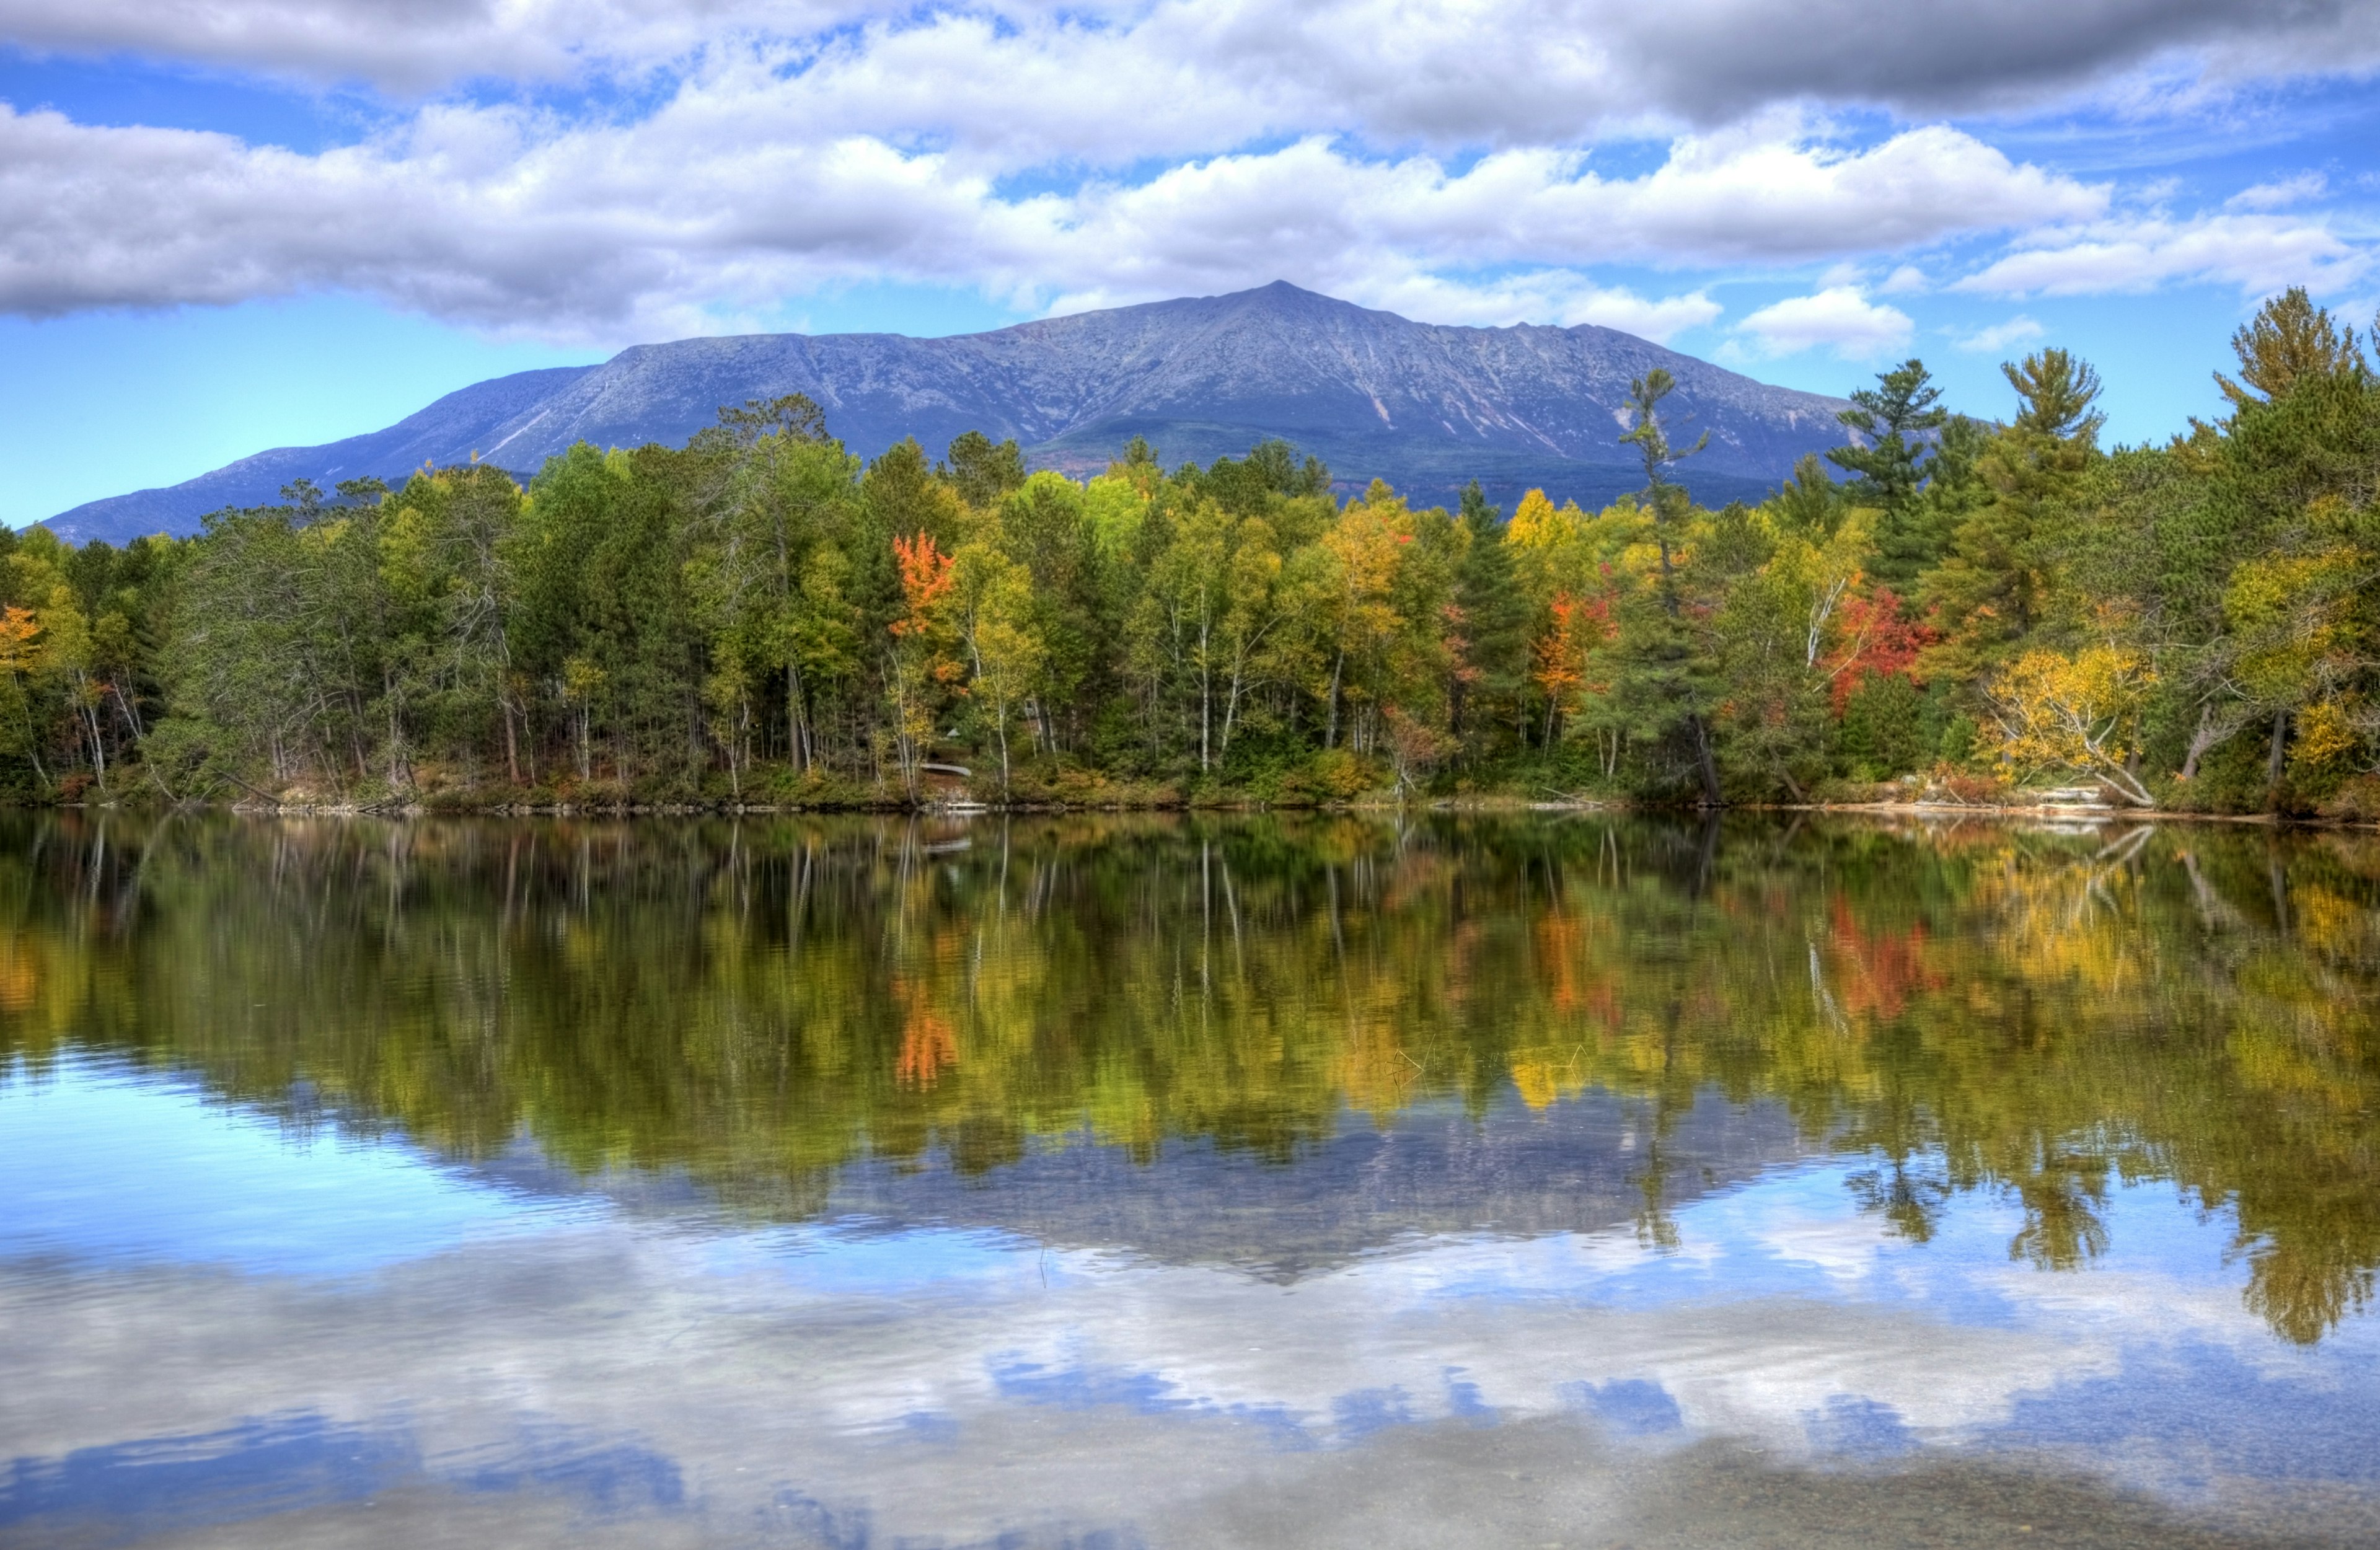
(787, 1012)
(1587, 1164)
(1582, 1165)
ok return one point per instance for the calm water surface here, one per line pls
(1154, 1182)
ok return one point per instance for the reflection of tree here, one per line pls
(1907, 1192)
(2062, 1201)
(758, 1003)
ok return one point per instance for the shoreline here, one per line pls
(2094, 814)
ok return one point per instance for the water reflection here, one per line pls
(1172, 1182)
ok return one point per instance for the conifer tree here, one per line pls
(1493, 673)
(1664, 677)
(1992, 590)
(2289, 338)
(1894, 417)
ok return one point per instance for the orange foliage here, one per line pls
(1577, 991)
(929, 1045)
(924, 582)
(1580, 625)
(17, 628)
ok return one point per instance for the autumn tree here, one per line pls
(2075, 711)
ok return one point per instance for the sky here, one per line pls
(231, 224)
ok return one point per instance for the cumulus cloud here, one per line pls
(1999, 336)
(1560, 295)
(1076, 154)
(409, 45)
(2257, 253)
(2281, 193)
(496, 218)
(1839, 317)
(1475, 69)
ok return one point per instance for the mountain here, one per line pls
(460, 420)
(1425, 407)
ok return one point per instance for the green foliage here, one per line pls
(1891, 458)
(1884, 730)
(756, 615)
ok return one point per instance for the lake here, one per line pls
(1557, 1179)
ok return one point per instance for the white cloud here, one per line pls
(2281, 193)
(1839, 317)
(748, 151)
(1491, 70)
(497, 218)
(1555, 296)
(2257, 253)
(1999, 336)
(411, 45)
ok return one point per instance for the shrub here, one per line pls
(1883, 728)
(2355, 801)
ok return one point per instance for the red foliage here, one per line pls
(1880, 637)
(1885, 969)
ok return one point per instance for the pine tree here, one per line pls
(1493, 674)
(1664, 677)
(1894, 417)
(1992, 590)
(2289, 338)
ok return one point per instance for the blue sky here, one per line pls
(259, 222)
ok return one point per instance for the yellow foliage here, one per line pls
(2077, 712)
(2291, 612)
(2326, 734)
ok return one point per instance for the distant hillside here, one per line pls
(1425, 406)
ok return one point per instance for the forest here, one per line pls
(1947, 605)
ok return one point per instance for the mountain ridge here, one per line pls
(1425, 405)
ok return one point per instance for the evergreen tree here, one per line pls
(1992, 591)
(982, 471)
(2289, 338)
(1493, 674)
(1894, 417)
(1664, 678)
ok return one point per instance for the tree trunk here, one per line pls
(2201, 742)
(797, 720)
(1230, 714)
(1711, 795)
(1330, 732)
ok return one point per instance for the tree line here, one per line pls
(760, 616)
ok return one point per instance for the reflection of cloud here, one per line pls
(937, 1376)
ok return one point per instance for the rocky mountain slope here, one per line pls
(1425, 406)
